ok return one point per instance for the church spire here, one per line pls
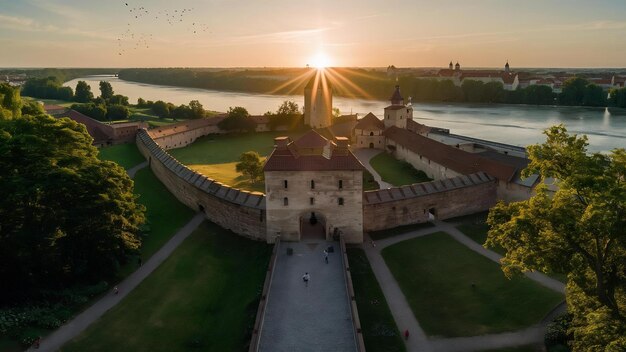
(396, 98)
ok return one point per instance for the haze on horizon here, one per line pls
(286, 33)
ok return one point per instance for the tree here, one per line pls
(181, 112)
(538, 95)
(237, 119)
(106, 90)
(67, 217)
(141, 103)
(95, 111)
(573, 91)
(618, 97)
(473, 90)
(580, 230)
(288, 107)
(196, 110)
(117, 112)
(250, 166)
(336, 112)
(10, 100)
(118, 99)
(47, 88)
(161, 109)
(594, 96)
(83, 92)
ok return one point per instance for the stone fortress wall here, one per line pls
(240, 211)
(244, 212)
(419, 202)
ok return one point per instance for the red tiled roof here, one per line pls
(311, 140)
(417, 127)
(448, 156)
(328, 157)
(370, 122)
(97, 130)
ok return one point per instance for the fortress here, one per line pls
(314, 184)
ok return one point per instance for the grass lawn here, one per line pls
(436, 274)
(369, 183)
(382, 234)
(215, 156)
(127, 155)
(379, 329)
(397, 172)
(204, 297)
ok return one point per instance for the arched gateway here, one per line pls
(314, 188)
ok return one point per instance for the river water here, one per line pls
(512, 124)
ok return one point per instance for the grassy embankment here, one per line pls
(454, 291)
(380, 332)
(203, 297)
(397, 172)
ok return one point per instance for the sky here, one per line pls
(292, 33)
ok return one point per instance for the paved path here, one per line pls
(364, 156)
(77, 325)
(308, 318)
(133, 170)
(403, 314)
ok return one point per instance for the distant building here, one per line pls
(508, 79)
(318, 101)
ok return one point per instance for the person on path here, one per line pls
(326, 256)
(406, 334)
(306, 278)
(115, 290)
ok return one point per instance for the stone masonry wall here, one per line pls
(240, 211)
(448, 198)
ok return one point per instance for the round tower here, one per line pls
(318, 101)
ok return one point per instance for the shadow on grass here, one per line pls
(400, 230)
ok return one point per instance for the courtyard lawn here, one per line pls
(227, 173)
(215, 156)
(127, 155)
(204, 297)
(397, 172)
(382, 234)
(454, 291)
(379, 329)
(369, 183)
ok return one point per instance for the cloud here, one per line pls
(25, 24)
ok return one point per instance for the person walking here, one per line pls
(306, 277)
(115, 290)
(326, 256)
(406, 334)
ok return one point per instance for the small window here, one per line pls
(312, 201)
(371, 133)
(285, 183)
(387, 117)
(312, 184)
(285, 201)
(340, 184)
(340, 201)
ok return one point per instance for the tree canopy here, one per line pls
(288, 114)
(67, 217)
(237, 119)
(250, 166)
(579, 229)
(83, 92)
(106, 90)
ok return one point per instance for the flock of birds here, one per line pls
(131, 40)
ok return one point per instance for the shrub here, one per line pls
(556, 333)
(27, 338)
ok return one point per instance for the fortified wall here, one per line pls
(443, 199)
(240, 211)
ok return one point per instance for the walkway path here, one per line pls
(133, 170)
(307, 318)
(73, 328)
(364, 156)
(403, 314)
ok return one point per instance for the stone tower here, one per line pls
(318, 101)
(397, 113)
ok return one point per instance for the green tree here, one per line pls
(106, 90)
(288, 107)
(250, 166)
(95, 111)
(117, 112)
(538, 95)
(580, 229)
(67, 217)
(237, 119)
(196, 110)
(618, 97)
(594, 96)
(83, 92)
(118, 99)
(573, 91)
(10, 101)
(161, 109)
(473, 90)
(141, 103)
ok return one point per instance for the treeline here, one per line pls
(47, 88)
(63, 74)
(370, 84)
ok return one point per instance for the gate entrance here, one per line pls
(312, 226)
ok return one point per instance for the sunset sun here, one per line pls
(320, 60)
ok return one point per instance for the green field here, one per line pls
(454, 291)
(127, 155)
(399, 230)
(215, 156)
(379, 329)
(396, 172)
(204, 297)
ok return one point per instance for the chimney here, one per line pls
(281, 142)
(342, 143)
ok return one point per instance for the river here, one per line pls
(512, 124)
